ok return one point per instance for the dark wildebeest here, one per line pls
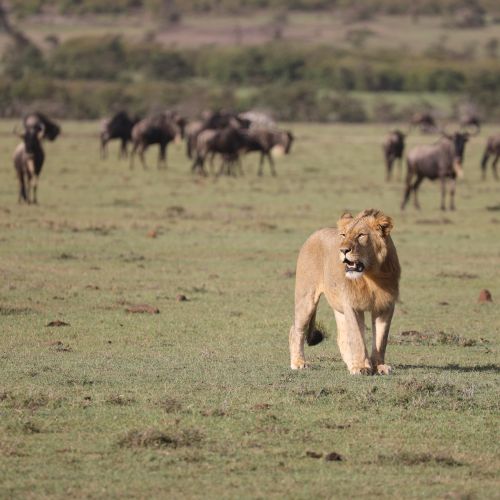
(158, 129)
(425, 121)
(264, 141)
(442, 160)
(28, 161)
(492, 148)
(212, 120)
(228, 142)
(393, 148)
(118, 127)
(39, 120)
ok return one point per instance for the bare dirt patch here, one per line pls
(142, 309)
(433, 338)
(407, 458)
(56, 323)
(461, 276)
(155, 438)
(14, 311)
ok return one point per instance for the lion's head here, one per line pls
(363, 241)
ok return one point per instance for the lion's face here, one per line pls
(362, 246)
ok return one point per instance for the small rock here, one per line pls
(333, 457)
(485, 296)
(181, 298)
(152, 234)
(313, 454)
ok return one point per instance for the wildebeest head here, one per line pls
(51, 129)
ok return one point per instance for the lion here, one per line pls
(356, 267)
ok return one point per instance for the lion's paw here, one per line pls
(363, 370)
(298, 364)
(384, 369)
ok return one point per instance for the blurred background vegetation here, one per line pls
(307, 60)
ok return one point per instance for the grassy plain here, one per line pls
(198, 400)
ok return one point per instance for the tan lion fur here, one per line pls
(363, 243)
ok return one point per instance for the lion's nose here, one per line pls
(345, 250)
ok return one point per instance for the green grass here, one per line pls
(198, 400)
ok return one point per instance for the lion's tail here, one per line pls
(315, 334)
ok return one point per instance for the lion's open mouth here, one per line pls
(353, 269)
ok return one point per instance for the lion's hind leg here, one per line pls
(303, 327)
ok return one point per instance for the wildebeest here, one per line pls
(28, 161)
(212, 120)
(228, 142)
(118, 127)
(158, 129)
(39, 120)
(425, 121)
(442, 160)
(393, 148)
(265, 140)
(492, 148)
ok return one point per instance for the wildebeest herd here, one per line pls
(229, 135)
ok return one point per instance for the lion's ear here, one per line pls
(344, 220)
(384, 224)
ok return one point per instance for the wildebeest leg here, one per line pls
(389, 161)
(123, 149)
(415, 187)
(211, 162)
(34, 187)
(305, 310)
(240, 166)
(453, 184)
(271, 163)
(484, 162)
(443, 193)
(406, 197)
(494, 166)
(132, 154)
(22, 187)
(142, 149)
(261, 164)
(104, 143)
(32, 179)
(162, 155)
(400, 171)
(381, 323)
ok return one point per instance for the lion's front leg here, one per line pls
(351, 341)
(381, 323)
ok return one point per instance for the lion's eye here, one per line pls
(342, 235)
(362, 238)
